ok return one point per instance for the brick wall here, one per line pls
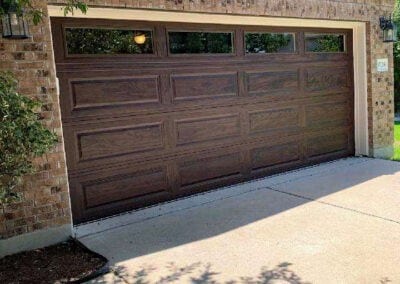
(46, 195)
(46, 198)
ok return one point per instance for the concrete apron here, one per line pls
(338, 222)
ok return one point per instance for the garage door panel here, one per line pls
(199, 169)
(204, 86)
(117, 207)
(106, 207)
(113, 91)
(328, 114)
(84, 103)
(146, 128)
(95, 144)
(336, 141)
(207, 128)
(96, 95)
(118, 188)
(327, 79)
(117, 141)
(272, 82)
(121, 187)
(265, 121)
(274, 155)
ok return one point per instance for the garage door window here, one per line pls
(181, 42)
(269, 42)
(107, 41)
(316, 42)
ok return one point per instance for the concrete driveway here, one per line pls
(337, 222)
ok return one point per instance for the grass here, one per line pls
(396, 156)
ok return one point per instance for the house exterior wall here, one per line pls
(45, 201)
(46, 198)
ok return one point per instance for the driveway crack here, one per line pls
(335, 205)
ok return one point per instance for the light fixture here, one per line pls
(14, 23)
(389, 29)
(139, 38)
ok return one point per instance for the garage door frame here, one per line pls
(359, 46)
(360, 100)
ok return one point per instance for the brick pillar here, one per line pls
(381, 111)
(45, 201)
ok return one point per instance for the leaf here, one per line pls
(73, 5)
(37, 15)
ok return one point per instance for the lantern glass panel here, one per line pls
(14, 26)
(6, 25)
(388, 35)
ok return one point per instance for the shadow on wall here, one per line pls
(198, 273)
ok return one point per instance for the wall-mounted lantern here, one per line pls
(389, 29)
(14, 22)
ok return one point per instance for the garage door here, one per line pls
(156, 111)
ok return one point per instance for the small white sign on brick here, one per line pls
(382, 65)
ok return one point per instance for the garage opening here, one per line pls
(155, 111)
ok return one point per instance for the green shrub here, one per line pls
(22, 137)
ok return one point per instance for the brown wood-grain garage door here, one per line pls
(146, 123)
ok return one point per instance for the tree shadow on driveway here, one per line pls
(198, 273)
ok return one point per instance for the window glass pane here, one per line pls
(108, 41)
(325, 42)
(269, 42)
(200, 42)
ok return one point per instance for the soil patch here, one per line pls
(61, 263)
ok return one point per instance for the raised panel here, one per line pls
(326, 144)
(269, 156)
(122, 187)
(117, 141)
(274, 119)
(208, 169)
(327, 79)
(207, 128)
(103, 92)
(327, 114)
(272, 81)
(204, 86)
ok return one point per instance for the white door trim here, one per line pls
(359, 45)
